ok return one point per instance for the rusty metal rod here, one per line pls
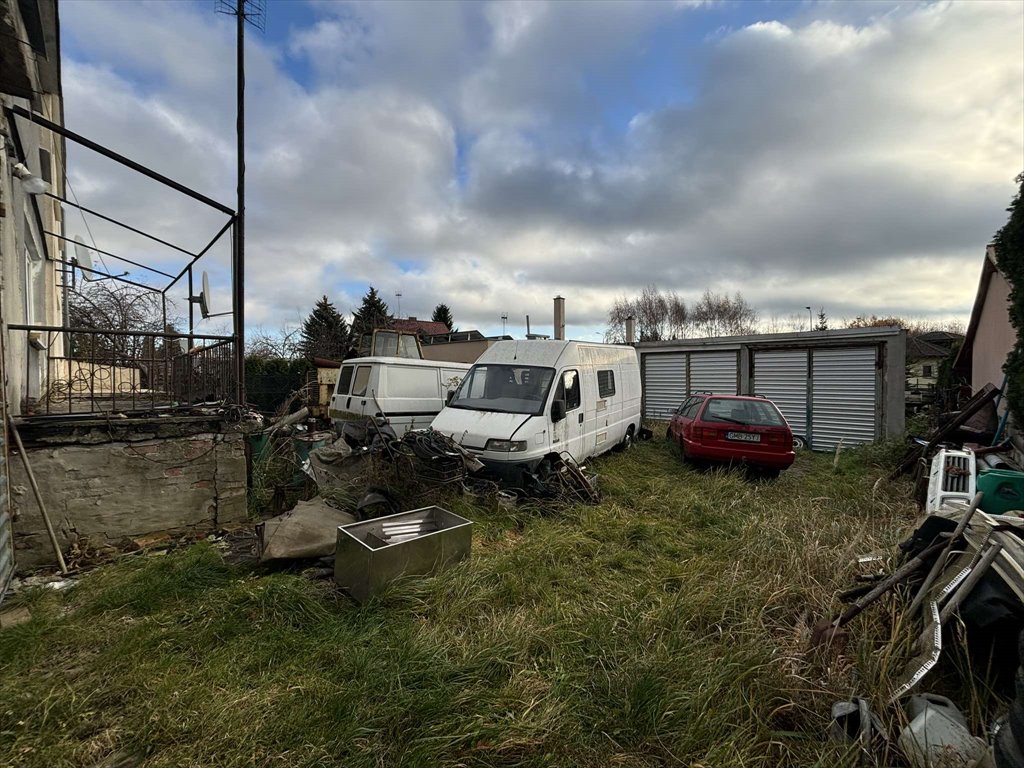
(39, 497)
(940, 561)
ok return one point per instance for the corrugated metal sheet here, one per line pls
(664, 384)
(781, 376)
(844, 397)
(714, 372)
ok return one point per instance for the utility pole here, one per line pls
(253, 12)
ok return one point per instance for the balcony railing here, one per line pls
(82, 371)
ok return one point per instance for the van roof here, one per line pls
(548, 353)
(407, 361)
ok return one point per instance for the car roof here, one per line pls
(757, 398)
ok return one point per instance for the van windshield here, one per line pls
(505, 389)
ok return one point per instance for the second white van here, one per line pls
(406, 391)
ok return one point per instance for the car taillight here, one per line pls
(778, 438)
(704, 433)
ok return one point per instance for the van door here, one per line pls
(356, 402)
(608, 422)
(568, 433)
(342, 388)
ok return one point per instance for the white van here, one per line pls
(524, 401)
(408, 392)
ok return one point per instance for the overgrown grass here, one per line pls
(668, 625)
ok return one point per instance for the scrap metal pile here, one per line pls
(369, 472)
(962, 575)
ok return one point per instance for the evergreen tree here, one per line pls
(373, 313)
(324, 333)
(1009, 244)
(443, 314)
(822, 320)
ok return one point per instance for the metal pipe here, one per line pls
(940, 561)
(238, 273)
(119, 278)
(970, 582)
(202, 253)
(130, 228)
(64, 329)
(111, 255)
(118, 158)
(39, 497)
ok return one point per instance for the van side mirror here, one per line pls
(557, 410)
(450, 396)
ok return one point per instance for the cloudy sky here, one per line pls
(856, 156)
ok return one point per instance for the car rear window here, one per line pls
(751, 413)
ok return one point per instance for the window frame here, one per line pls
(351, 369)
(602, 390)
(355, 380)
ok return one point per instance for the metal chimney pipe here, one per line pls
(630, 330)
(527, 326)
(559, 317)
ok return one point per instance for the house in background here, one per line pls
(990, 334)
(420, 327)
(923, 362)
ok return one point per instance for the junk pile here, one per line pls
(962, 575)
(367, 471)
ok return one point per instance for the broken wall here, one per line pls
(104, 484)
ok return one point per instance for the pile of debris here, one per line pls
(965, 560)
(368, 472)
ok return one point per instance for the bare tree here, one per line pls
(659, 316)
(282, 344)
(721, 315)
(112, 306)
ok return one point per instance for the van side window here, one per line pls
(362, 379)
(569, 390)
(605, 383)
(345, 379)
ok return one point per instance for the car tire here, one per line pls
(799, 444)
(627, 441)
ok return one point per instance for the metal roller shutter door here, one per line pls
(664, 384)
(844, 397)
(781, 376)
(714, 372)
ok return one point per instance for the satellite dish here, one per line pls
(83, 257)
(204, 297)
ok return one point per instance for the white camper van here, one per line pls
(407, 391)
(525, 400)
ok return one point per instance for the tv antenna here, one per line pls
(203, 300)
(83, 260)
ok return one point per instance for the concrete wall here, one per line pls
(101, 488)
(994, 337)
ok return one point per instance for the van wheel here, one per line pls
(627, 441)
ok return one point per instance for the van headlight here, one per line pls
(506, 446)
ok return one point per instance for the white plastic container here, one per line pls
(937, 736)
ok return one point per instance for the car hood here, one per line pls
(472, 429)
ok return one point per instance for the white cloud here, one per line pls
(447, 151)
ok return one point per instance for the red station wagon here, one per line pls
(733, 428)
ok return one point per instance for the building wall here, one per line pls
(994, 337)
(101, 491)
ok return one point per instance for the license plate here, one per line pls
(745, 437)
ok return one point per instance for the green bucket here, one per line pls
(1003, 489)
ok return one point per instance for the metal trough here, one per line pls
(372, 553)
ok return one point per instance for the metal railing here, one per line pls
(84, 370)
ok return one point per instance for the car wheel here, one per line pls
(627, 441)
(799, 443)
